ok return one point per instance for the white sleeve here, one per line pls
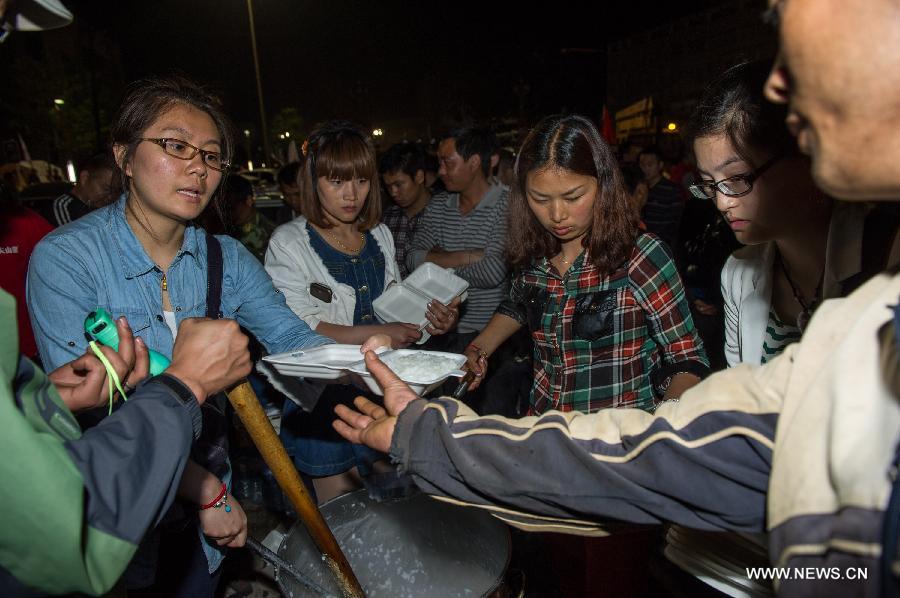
(286, 264)
(732, 310)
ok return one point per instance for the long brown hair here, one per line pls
(339, 150)
(571, 143)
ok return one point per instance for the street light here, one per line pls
(377, 132)
(59, 101)
(262, 107)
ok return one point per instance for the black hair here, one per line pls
(408, 158)
(148, 99)
(289, 173)
(652, 150)
(734, 105)
(235, 190)
(97, 162)
(471, 141)
(632, 177)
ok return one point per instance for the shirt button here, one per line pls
(367, 317)
(159, 318)
(177, 309)
(363, 288)
(353, 260)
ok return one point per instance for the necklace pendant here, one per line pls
(165, 283)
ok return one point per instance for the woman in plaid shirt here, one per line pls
(605, 305)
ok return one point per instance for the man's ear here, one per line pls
(249, 201)
(419, 178)
(119, 151)
(474, 161)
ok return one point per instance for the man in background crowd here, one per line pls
(665, 200)
(95, 188)
(402, 170)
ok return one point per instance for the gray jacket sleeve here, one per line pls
(703, 461)
(155, 429)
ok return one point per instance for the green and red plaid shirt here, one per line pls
(606, 341)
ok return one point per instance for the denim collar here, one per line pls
(135, 261)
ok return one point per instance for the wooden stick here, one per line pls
(266, 440)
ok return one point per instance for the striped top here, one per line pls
(778, 336)
(442, 225)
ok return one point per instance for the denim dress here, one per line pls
(317, 450)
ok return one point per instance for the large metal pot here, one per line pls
(416, 547)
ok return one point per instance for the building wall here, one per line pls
(673, 62)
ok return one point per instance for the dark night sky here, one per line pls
(378, 61)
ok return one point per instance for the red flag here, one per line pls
(608, 128)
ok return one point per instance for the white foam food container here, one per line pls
(407, 301)
(330, 362)
(455, 362)
(327, 362)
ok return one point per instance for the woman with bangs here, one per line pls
(604, 303)
(332, 263)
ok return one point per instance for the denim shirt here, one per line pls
(97, 261)
(364, 272)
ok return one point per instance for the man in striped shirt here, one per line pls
(93, 190)
(465, 228)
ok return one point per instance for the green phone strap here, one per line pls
(111, 374)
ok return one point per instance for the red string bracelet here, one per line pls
(214, 502)
(479, 350)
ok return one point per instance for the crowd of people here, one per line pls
(712, 348)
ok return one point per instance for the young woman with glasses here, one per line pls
(142, 257)
(801, 247)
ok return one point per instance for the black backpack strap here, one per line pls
(214, 274)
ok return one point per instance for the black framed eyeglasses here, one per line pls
(735, 186)
(185, 151)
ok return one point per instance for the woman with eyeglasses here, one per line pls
(144, 258)
(802, 248)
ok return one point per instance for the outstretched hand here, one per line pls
(373, 425)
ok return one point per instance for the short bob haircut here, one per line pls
(148, 99)
(734, 105)
(339, 150)
(572, 143)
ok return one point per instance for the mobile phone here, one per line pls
(320, 292)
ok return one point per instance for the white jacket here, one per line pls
(294, 265)
(747, 282)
